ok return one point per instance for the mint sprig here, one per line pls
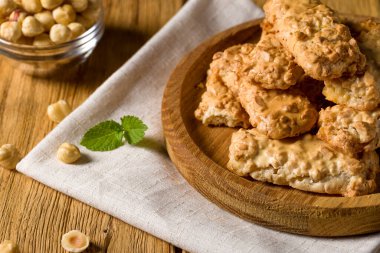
(108, 135)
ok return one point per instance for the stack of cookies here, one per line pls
(305, 97)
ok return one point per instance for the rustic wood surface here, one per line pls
(201, 154)
(36, 216)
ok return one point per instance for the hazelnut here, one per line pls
(60, 33)
(84, 21)
(68, 153)
(77, 29)
(42, 40)
(18, 16)
(6, 7)
(31, 6)
(46, 19)
(9, 156)
(75, 241)
(51, 4)
(10, 31)
(64, 14)
(79, 5)
(31, 27)
(59, 110)
(91, 14)
(8, 246)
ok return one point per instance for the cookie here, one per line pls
(305, 163)
(218, 106)
(349, 130)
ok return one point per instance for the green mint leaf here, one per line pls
(134, 129)
(105, 136)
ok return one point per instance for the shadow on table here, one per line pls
(113, 50)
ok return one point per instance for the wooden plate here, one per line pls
(200, 153)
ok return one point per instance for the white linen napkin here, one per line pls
(139, 184)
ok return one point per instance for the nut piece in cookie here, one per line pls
(219, 107)
(311, 33)
(277, 114)
(349, 130)
(231, 63)
(305, 163)
(361, 92)
(272, 66)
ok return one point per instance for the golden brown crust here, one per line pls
(304, 163)
(272, 66)
(276, 113)
(349, 130)
(361, 92)
(218, 107)
(310, 31)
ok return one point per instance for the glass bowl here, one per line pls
(51, 60)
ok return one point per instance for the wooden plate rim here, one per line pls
(176, 134)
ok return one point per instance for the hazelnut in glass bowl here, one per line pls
(43, 37)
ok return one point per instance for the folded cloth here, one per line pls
(139, 184)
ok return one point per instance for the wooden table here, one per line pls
(36, 216)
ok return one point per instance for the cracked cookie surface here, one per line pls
(349, 130)
(309, 30)
(218, 106)
(305, 163)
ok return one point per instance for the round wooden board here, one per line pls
(200, 153)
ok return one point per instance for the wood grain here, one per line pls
(201, 153)
(36, 216)
(32, 214)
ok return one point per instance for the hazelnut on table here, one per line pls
(68, 153)
(58, 111)
(9, 156)
(75, 241)
(8, 246)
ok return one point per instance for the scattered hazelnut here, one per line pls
(75, 241)
(77, 29)
(46, 19)
(31, 6)
(9, 156)
(59, 110)
(79, 5)
(10, 31)
(51, 4)
(68, 153)
(8, 246)
(64, 14)
(31, 27)
(42, 40)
